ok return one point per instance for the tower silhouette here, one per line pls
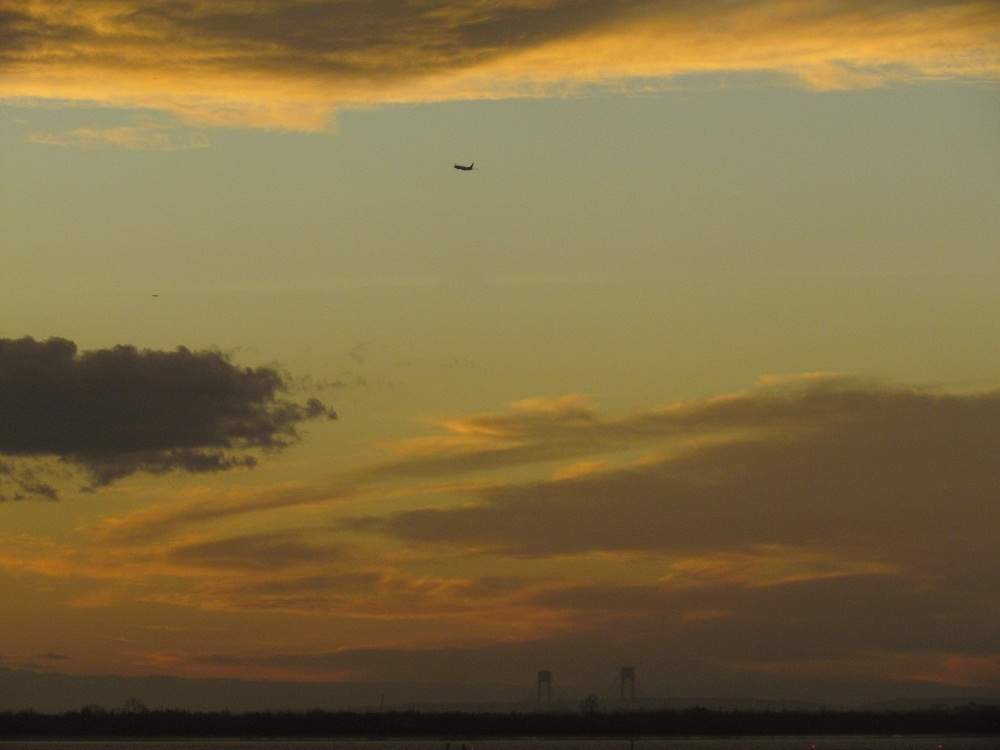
(545, 686)
(627, 683)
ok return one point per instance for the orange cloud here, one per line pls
(145, 135)
(765, 565)
(289, 63)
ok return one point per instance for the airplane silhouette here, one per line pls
(466, 169)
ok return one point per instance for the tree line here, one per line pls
(135, 720)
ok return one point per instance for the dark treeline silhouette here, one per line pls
(137, 721)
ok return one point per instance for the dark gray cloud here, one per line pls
(113, 412)
(810, 529)
(319, 36)
(53, 656)
(325, 585)
(21, 30)
(449, 663)
(24, 483)
(828, 617)
(883, 472)
(544, 430)
(266, 551)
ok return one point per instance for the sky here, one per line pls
(696, 372)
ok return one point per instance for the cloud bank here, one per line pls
(289, 63)
(113, 412)
(817, 535)
(820, 462)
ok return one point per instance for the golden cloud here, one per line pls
(142, 136)
(290, 63)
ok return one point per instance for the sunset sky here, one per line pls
(699, 371)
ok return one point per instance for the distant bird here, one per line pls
(466, 169)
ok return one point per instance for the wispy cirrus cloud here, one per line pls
(142, 136)
(826, 461)
(541, 430)
(254, 552)
(288, 64)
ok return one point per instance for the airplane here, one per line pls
(466, 169)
